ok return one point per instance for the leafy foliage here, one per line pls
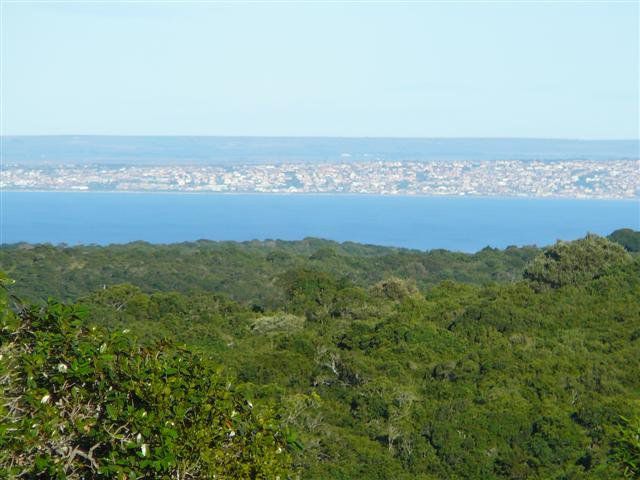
(575, 262)
(629, 239)
(246, 272)
(391, 376)
(627, 447)
(80, 402)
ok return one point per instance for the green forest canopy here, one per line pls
(361, 361)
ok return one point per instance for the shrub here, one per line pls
(628, 238)
(626, 449)
(394, 289)
(78, 403)
(573, 263)
(279, 322)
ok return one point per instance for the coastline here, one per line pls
(324, 194)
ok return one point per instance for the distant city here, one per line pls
(615, 179)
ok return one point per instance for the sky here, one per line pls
(500, 69)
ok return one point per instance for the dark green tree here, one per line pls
(628, 238)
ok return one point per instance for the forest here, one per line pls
(320, 360)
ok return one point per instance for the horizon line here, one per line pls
(367, 137)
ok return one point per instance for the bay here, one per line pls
(454, 223)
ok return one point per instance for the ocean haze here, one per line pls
(221, 150)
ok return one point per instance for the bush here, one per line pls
(626, 449)
(574, 263)
(394, 289)
(279, 322)
(78, 403)
(629, 239)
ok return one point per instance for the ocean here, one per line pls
(454, 223)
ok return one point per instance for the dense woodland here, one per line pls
(315, 359)
(246, 272)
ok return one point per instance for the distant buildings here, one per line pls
(566, 178)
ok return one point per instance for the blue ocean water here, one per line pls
(460, 223)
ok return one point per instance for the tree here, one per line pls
(573, 263)
(629, 239)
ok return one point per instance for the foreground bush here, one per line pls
(627, 448)
(78, 403)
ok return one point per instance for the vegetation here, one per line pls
(78, 402)
(358, 363)
(627, 448)
(629, 239)
(576, 262)
(246, 272)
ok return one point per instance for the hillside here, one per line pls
(376, 368)
(246, 271)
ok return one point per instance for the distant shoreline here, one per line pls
(321, 194)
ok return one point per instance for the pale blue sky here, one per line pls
(433, 69)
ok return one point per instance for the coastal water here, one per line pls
(460, 223)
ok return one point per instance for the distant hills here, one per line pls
(154, 150)
(246, 270)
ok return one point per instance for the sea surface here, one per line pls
(458, 223)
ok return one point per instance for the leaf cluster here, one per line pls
(82, 402)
